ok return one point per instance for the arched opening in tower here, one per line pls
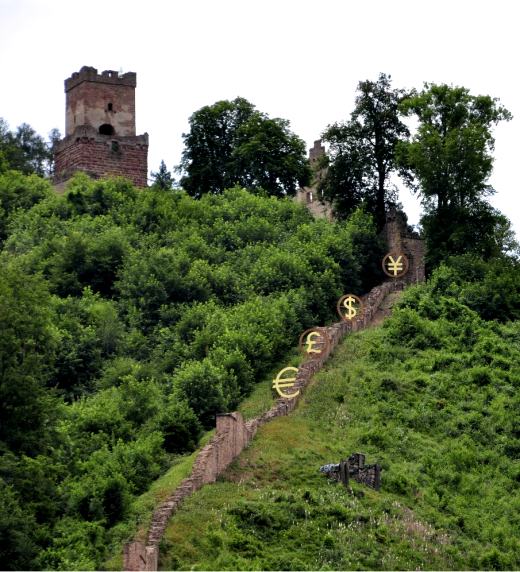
(106, 129)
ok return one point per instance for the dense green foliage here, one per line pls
(231, 143)
(433, 397)
(451, 161)
(25, 150)
(129, 319)
(361, 153)
(18, 193)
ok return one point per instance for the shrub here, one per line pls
(203, 385)
(179, 426)
(407, 327)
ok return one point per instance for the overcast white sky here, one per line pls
(295, 59)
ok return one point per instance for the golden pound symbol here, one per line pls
(285, 382)
(348, 303)
(395, 266)
(314, 342)
(310, 343)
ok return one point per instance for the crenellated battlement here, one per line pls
(90, 74)
(100, 137)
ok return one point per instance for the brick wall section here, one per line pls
(101, 155)
(233, 435)
(138, 556)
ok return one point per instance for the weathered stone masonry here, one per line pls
(100, 136)
(399, 240)
(233, 434)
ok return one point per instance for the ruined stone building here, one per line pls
(401, 240)
(100, 137)
(396, 234)
(309, 196)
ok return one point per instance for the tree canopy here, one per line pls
(231, 143)
(163, 179)
(450, 160)
(26, 151)
(362, 151)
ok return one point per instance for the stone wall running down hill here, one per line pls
(233, 434)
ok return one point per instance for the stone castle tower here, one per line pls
(310, 196)
(100, 134)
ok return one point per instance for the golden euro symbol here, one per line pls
(285, 382)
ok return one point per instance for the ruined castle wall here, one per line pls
(138, 556)
(399, 241)
(415, 249)
(233, 435)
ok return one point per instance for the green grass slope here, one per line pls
(433, 397)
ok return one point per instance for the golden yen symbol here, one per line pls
(285, 382)
(395, 265)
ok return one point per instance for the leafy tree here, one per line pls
(477, 228)
(27, 349)
(17, 543)
(206, 159)
(26, 151)
(180, 427)
(450, 160)
(19, 192)
(232, 143)
(362, 151)
(54, 139)
(100, 197)
(269, 157)
(201, 385)
(4, 145)
(163, 178)
(90, 331)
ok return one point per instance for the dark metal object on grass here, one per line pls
(354, 467)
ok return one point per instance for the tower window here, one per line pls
(106, 129)
(110, 107)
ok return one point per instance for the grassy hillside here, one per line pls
(432, 396)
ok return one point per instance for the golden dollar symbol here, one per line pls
(279, 383)
(349, 305)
